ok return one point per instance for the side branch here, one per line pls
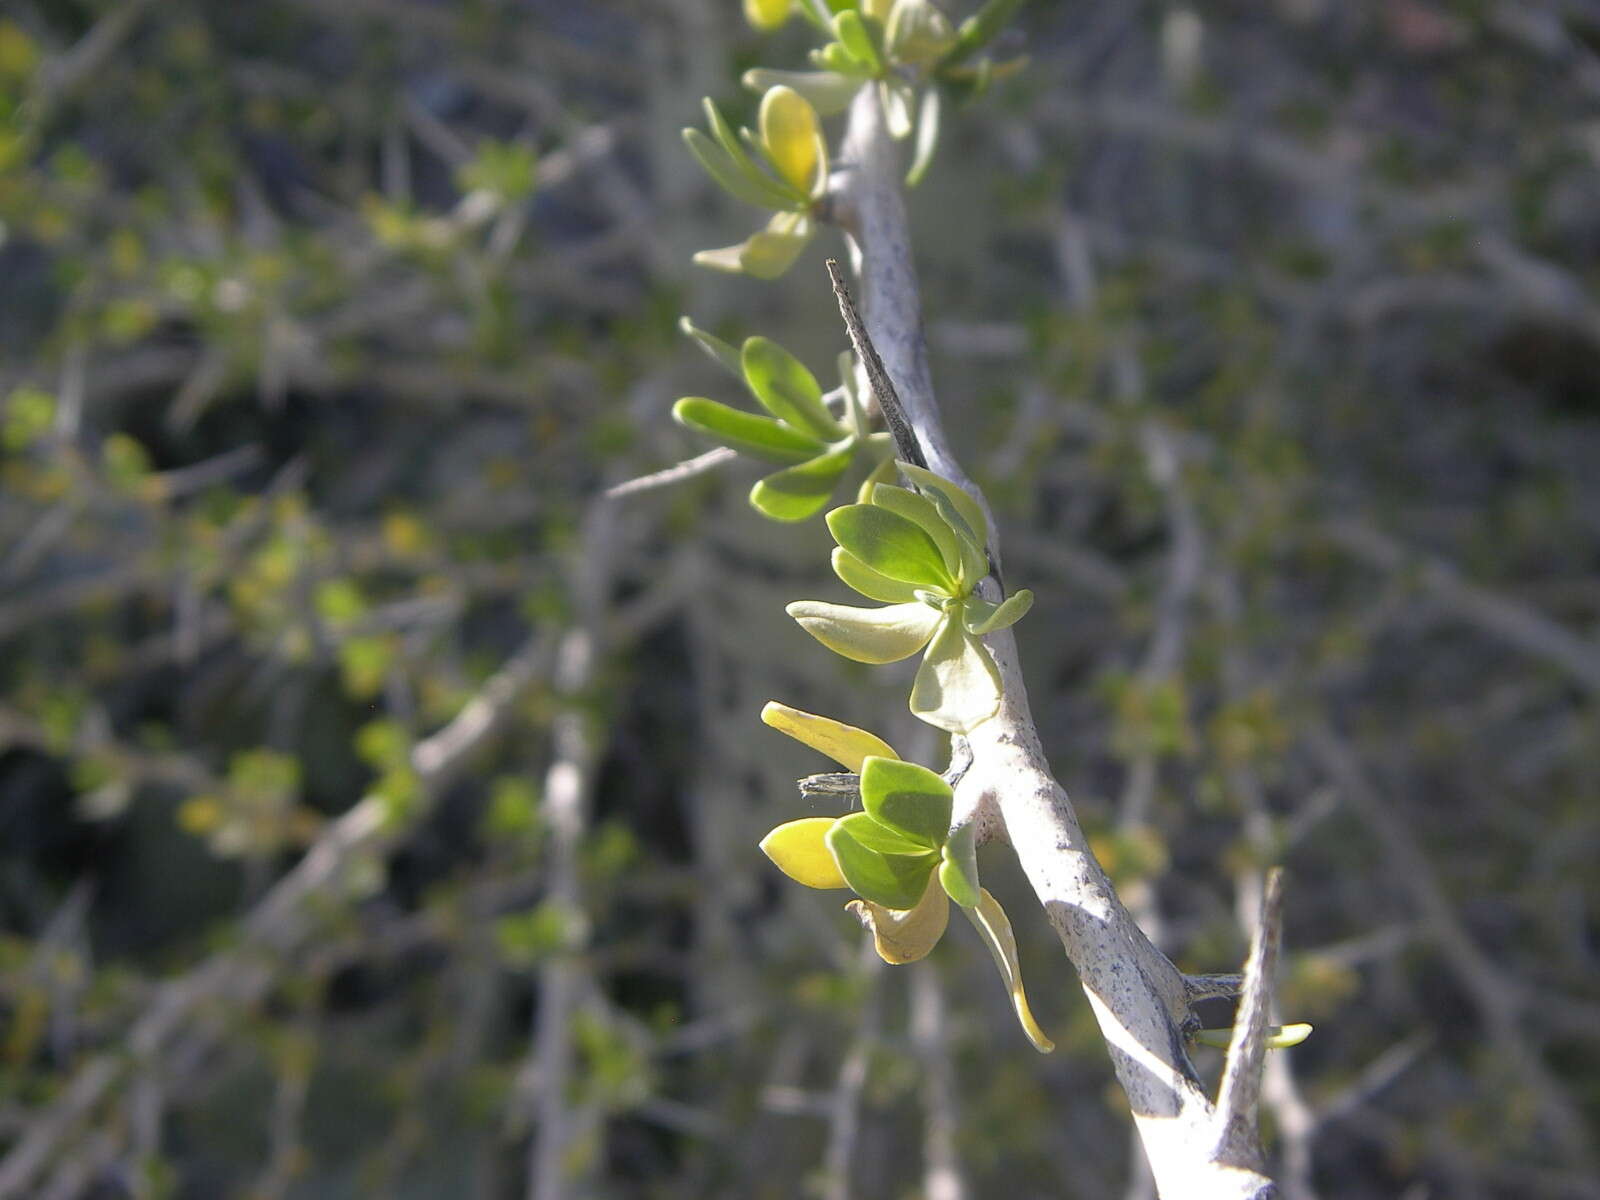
(1238, 1141)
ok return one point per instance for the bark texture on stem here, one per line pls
(1136, 993)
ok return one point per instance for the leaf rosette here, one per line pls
(898, 854)
(799, 432)
(920, 553)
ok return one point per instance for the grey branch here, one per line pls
(1238, 1142)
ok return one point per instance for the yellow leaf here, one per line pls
(869, 635)
(792, 136)
(905, 935)
(845, 744)
(990, 920)
(798, 850)
(766, 14)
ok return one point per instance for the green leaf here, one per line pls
(786, 388)
(800, 492)
(834, 57)
(830, 92)
(884, 472)
(929, 115)
(896, 99)
(892, 880)
(918, 35)
(792, 138)
(1279, 1037)
(981, 28)
(728, 259)
(890, 545)
(958, 866)
(904, 936)
(869, 635)
(981, 617)
(857, 40)
(800, 850)
(908, 799)
(957, 686)
(970, 511)
(746, 432)
(768, 253)
(739, 177)
(845, 744)
(921, 511)
(990, 920)
(874, 835)
(856, 574)
(724, 355)
(767, 15)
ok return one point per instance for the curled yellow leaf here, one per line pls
(845, 744)
(798, 850)
(792, 136)
(990, 920)
(905, 935)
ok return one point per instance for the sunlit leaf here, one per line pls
(766, 14)
(728, 259)
(786, 388)
(958, 866)
(1278, 1037)
(830, 92)
(957, 686)
(978, 30)
(890, 545)
(969, 509)
(769, 253)
(903, 936)
(857, 40)
(792, 137)
(845, 744)
(896, 98)
(738, 177)
(857, 575)
(719, 351)
(892, 880)
(907, 798)
(921, 512)
(990, 920)
(801, 491)
(929, 115)
(800, 850)
(869, 635)
(884, 472)
(748, 433)
(874, 835)
(918, 34)
(982, 617)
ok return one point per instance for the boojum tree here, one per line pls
(914, 541)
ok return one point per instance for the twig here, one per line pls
(930, 1033)
(1499, 1001)
(894, 414)
(675, 474)
(1241, 1076)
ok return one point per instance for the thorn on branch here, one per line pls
(894, 413)
(1241, 1076)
